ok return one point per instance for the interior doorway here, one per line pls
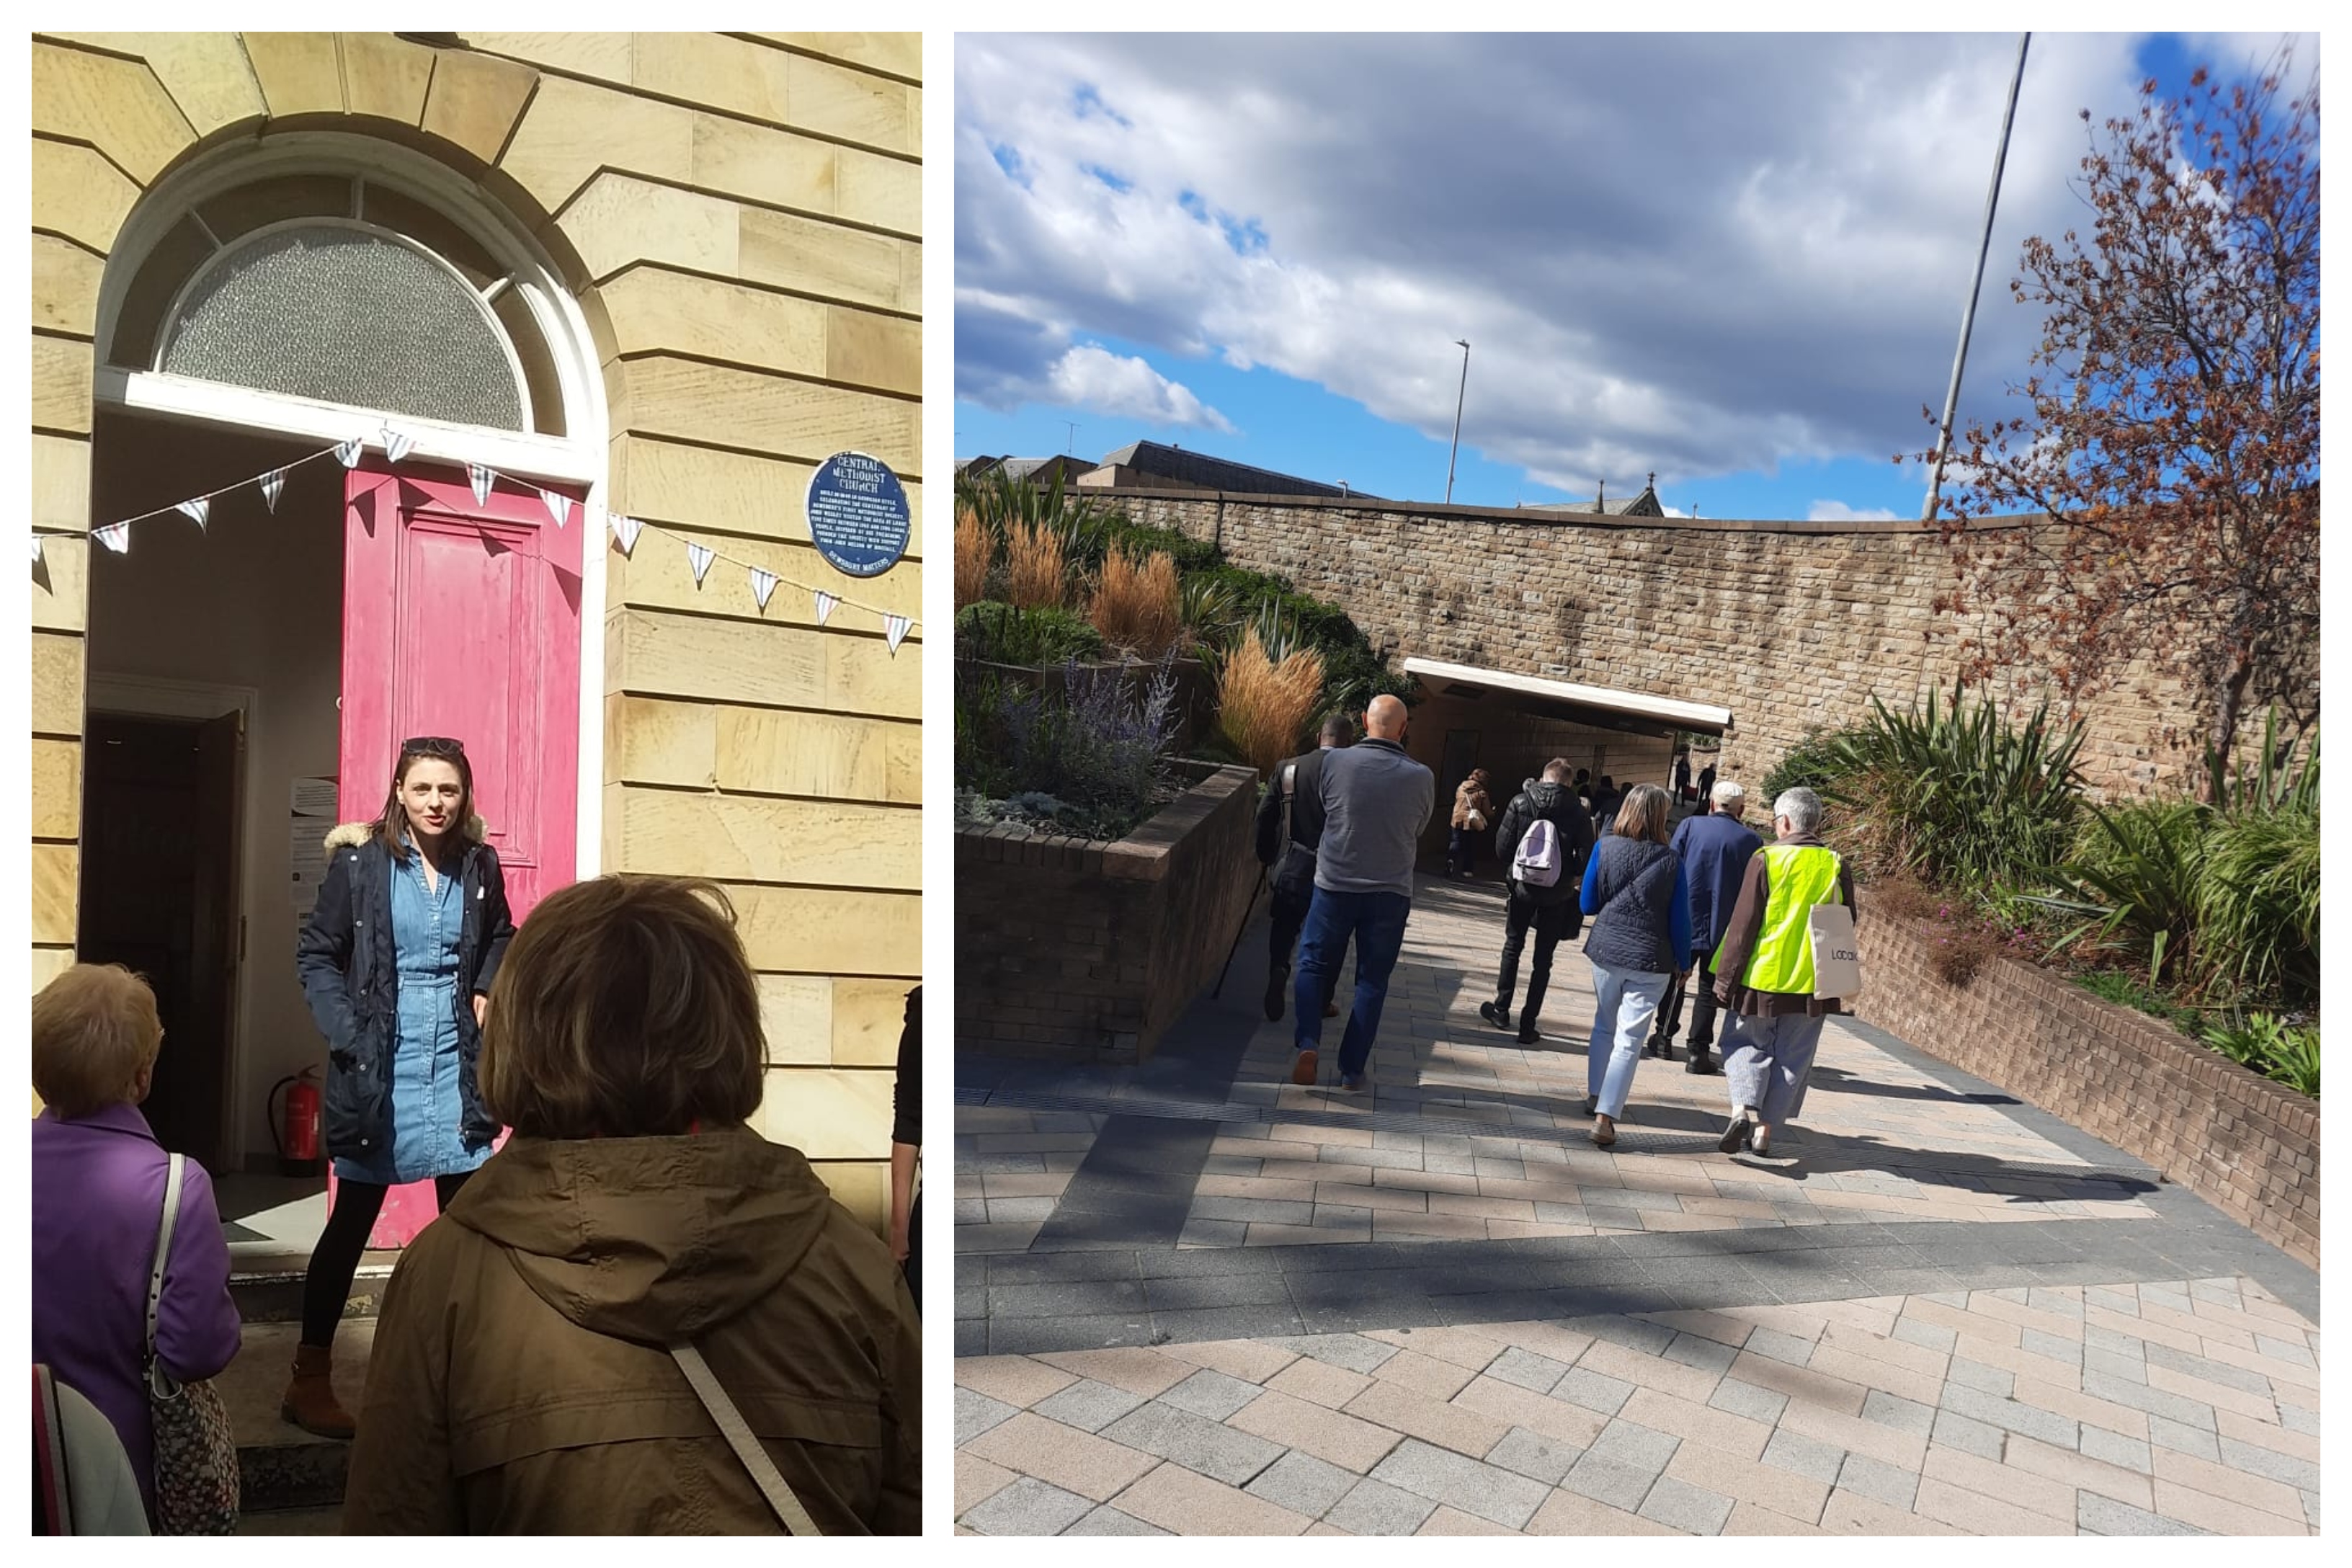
(160, 896)
(242, 612)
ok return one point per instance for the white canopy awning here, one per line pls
(1670, 710)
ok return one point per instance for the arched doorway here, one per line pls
(255, 657)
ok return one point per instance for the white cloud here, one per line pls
(1838, 511)
(1767, 269)
(1090, 376)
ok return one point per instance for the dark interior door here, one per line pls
(159, 896)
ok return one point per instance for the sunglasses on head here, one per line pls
(432, 746)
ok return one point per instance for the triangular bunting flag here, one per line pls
(397, 443)
(825, 604)
(115, 536)
(200, 509)
(894, 630)
(271, 483)
(559, 506)
(481, 480)
(348, 452)
(763, 584)
(625, 528)
(36, 561)
(700, 557)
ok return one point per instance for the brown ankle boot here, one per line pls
(310, 1402)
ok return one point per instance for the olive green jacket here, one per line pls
(520, 1382)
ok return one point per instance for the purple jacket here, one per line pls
(98, 1198)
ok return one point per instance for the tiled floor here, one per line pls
(2181, 1407)
(1195, 1299)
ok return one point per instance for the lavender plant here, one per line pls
(1091, 759)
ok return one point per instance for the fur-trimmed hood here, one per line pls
(352, 835)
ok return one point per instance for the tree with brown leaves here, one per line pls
(2173, 438)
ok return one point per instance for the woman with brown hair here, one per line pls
(1639, 902)
(396, 962)
(540, 1366)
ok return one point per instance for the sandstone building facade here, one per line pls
(701, 255)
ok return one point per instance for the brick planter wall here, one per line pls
(2246, 1145)
(1088, 951)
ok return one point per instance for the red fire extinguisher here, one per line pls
(297, 1134)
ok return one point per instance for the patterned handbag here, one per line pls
(196, 1476)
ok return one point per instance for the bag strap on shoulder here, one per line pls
(171, 1185)
(738, 1433)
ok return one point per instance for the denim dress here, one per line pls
(428, 1111)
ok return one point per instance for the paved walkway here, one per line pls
(1194, 1298)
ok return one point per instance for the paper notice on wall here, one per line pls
(314, 797)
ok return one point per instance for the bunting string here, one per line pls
(627, 531)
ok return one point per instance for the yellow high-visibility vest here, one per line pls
(1799, 875)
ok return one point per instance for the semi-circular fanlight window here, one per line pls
(346, 314)
(340, 290)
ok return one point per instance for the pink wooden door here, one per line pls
(462, 618)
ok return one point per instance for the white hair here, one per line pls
(1801, 806)
(1726, 792)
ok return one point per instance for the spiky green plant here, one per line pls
(2278, 781)
(2143, 865)
(1957, 795)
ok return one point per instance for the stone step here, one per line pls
(284, 1467)
(267, 1285)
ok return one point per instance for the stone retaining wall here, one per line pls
(1088, 951)
(2246, 1145)
(1791, 625)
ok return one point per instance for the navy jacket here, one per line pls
(1640, 914)
(352, 981)
(1715, 851)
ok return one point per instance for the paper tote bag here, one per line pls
(1837, 963)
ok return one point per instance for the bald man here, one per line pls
(1376, 800)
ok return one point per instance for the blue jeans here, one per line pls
(1627, 1000)
(1376, 923)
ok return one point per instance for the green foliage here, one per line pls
(997, 633)
(1957, 795)
(2279, 780)
(1210, 608)
(2257, 905)
(2142, 865)
(1141, 540)
(2125, 991)
(2224, 897)
(2270, 1045)
(1815, 762)
(1000, 501)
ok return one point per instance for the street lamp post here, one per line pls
(1459, 394)
(1976, 286)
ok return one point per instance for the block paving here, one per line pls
(1211, 1302)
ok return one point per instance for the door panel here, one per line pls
(216, 907)
(462, 618)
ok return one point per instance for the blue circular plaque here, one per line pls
(858, 515)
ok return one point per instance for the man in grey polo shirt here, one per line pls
(1376, 800)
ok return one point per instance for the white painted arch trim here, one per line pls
(1633, 704)
(581, 457)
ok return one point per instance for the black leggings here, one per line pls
(327, 1288)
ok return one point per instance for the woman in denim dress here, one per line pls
(396, 963)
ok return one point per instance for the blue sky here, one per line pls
(1739, 262)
